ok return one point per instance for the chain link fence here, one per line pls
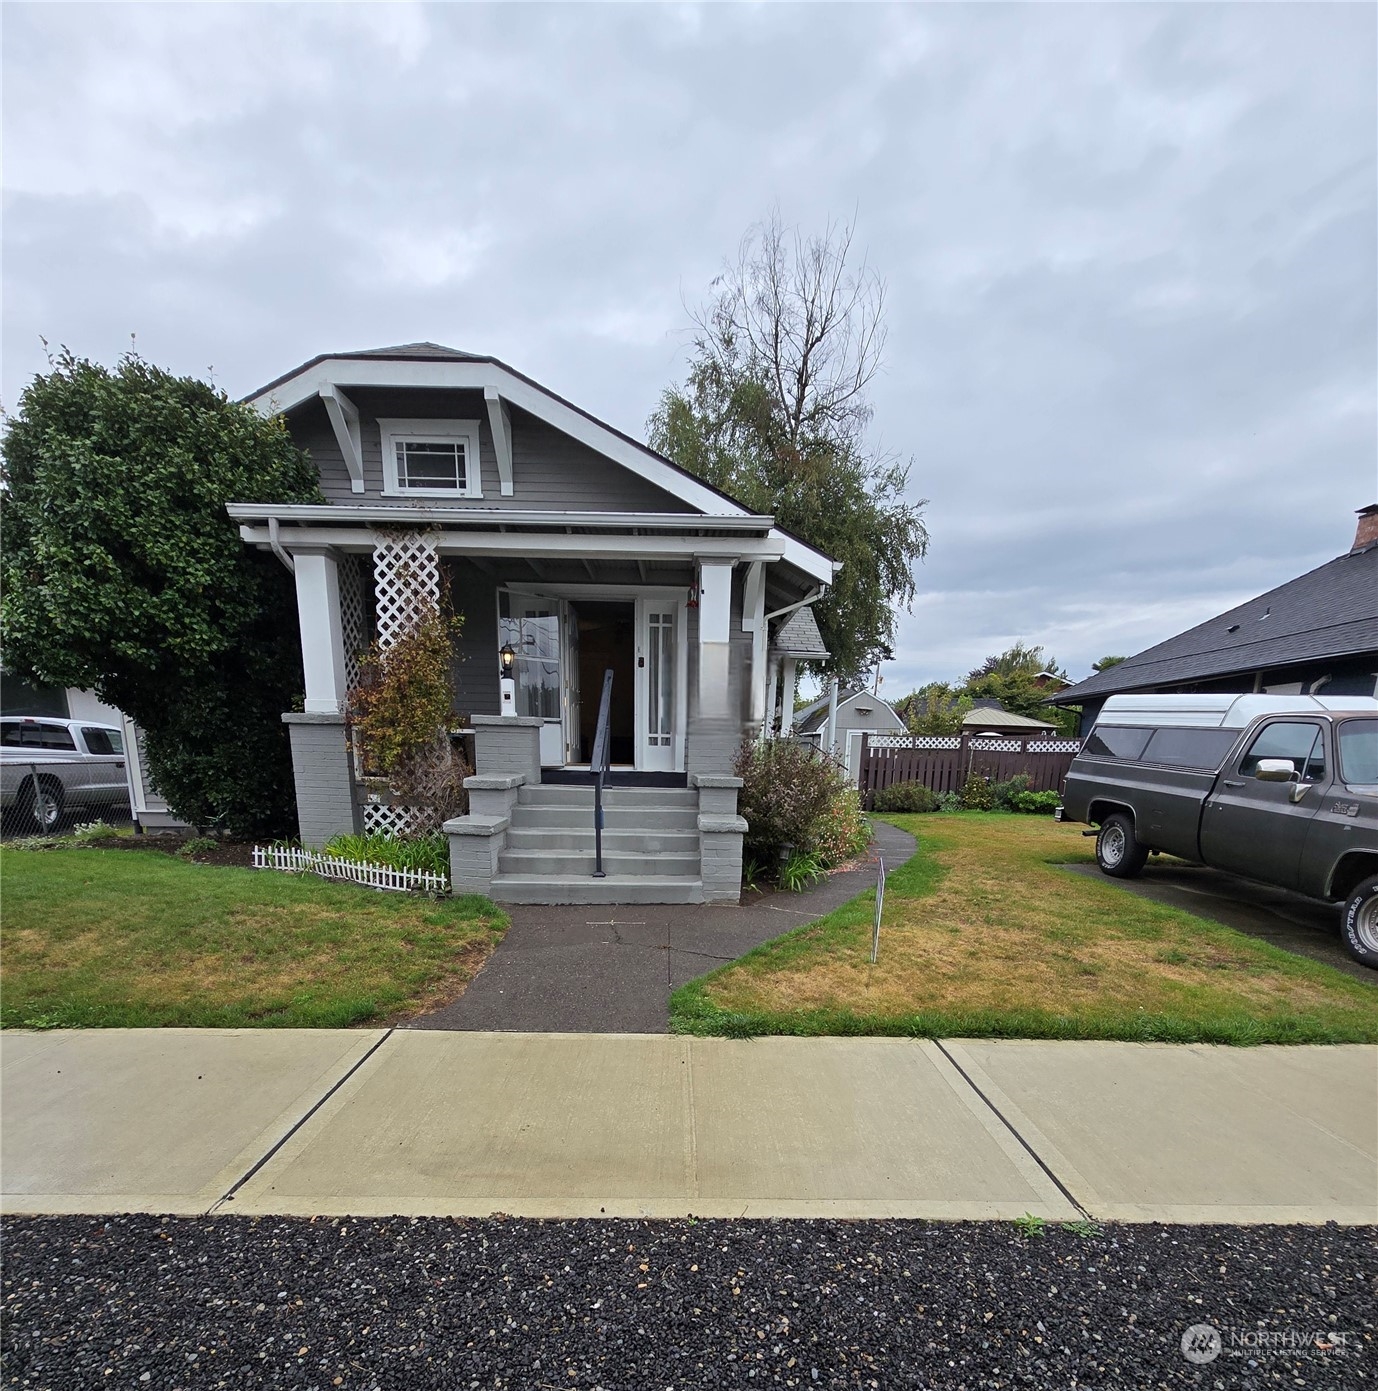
(48, 794)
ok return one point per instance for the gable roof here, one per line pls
(984, 717)
(798, 636)
(814, 715)
(432, 365)
(1331, 611)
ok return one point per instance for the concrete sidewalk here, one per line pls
(420, 1123)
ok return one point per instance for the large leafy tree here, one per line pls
(1012, 678)
(775, 410)
(123, 574)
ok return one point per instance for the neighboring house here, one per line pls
(147, 807)
(988, 716)
(1315, 635)
(859, 712)
(575, 550)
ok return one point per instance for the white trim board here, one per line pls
(506, 386)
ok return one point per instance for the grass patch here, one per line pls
(984, 936)
(109, 938)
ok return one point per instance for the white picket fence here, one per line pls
(295, 861)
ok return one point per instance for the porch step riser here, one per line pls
(614, 842)
(554, 795)
(523, 888)
(647, 819)
(580, 864)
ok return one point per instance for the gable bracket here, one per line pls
(500, 423)
(344, 420)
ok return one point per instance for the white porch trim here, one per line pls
(344, 420)
(322, 635)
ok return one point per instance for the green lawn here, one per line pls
(123, 938)
(984, 936)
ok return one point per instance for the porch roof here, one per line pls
(498, 532)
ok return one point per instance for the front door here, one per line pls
(658, 678)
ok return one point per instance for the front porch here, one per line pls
(678, 607)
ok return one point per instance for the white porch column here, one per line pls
(322, 635)
(715, 635)
(754, 622)
(787, 676)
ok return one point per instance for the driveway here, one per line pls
(1287, 920)
(610, 970)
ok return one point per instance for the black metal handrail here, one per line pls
(598, 766)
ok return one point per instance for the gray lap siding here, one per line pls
(550, 470)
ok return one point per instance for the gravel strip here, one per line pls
(240, 1302)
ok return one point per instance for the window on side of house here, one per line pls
(431, 458)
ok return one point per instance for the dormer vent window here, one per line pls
(431, 458)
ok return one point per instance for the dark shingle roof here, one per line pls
(798, 636)
(410, 352)
(1331, 611)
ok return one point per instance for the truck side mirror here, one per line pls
(1275, 770)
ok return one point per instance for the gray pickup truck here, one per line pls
(51, 767)
(1280, 789)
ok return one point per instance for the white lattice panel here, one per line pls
(397, 821)
(1054, 746)
(351, 571)
(915, 741)
(998, 745)
(406, 573)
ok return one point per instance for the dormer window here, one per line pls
(430, 458)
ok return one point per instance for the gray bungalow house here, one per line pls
(570, 550)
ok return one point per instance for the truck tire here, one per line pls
(42, 805)
(1118, 852)
(1359, 926)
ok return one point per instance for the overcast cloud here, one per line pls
(1131, 250)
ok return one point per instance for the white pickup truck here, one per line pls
(50, 767)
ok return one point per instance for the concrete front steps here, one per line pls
(650, 847)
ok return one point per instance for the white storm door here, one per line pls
(569, 629)
(538, 645)
(659, 685)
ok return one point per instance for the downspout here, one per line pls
(275, 544)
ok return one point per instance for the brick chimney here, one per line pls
(1367, 532)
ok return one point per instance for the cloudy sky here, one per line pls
(1130, 250)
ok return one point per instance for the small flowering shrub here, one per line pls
(842, 832)
(977, 794)
(793, 796)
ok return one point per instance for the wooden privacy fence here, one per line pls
(943, 762)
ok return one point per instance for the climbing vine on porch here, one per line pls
(400, 711)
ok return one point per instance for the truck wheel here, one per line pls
(1359, 927)
(43, 804)
(1118, 852)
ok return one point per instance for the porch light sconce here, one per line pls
(507, 684)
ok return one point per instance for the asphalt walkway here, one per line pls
(591, 969)
(434, 1123)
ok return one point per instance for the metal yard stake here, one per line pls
(880, 908)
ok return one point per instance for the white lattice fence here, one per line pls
(406, 575)
(294, 861)
(1055, 746)
(352, 616)
(915, 741)
(397, 821)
